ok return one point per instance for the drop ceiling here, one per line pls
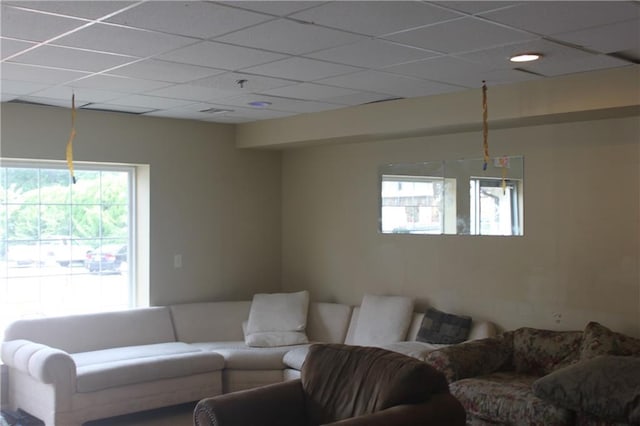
(206, 60)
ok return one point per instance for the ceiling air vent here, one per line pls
(216, 111)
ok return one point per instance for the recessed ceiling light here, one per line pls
(260, 104)
(526, 57)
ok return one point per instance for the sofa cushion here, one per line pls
(606, 387)
(539, 352)
(104, 330)
(210, 321)
(107, 368)
(382, 320)
(239, 356)
(599, 340)
(282, 315)
(295, 358)
(507, 398)
(444, 328)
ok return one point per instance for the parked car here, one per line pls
(23, 255)
(108, 257)
(64, 250)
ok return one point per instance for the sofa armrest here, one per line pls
(470, 359)
(43, 363)
(261, 406)
(441, 410)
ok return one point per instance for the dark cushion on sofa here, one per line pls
(507, 398)
(607, 387)
(343, 381)
(441, 327)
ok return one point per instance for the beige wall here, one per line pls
(578, 258)
(216, 205)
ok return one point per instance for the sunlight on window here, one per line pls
(64, 248)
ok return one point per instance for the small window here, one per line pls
(495, 207)
(412, 204)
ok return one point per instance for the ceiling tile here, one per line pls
(17, 87)
(19, 72)
(607, 38)
(153, 69)
(360, 98)
(190, 92)
(117, 108)
(83, 95)
(575, 65)
(301, 69)
(197, 19)
(255, 114)
(155, 102)
(73, 59)
(310, 91)
(498, 57)
(49, 101)
(82, 9)
(221, 56)
(10, 47)
(34, 26)
(230, 82)
(118, 84)
(462, 35)
(552, 17)
(372, 53)
(7, 97)
(474, 7)
(124, 41)
(375, 18)
(444, 69)
(278, 104)
(277, 8)
(387, 83)
(283, 35)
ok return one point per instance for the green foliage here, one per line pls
(42, 203)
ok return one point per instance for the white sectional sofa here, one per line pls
(69, 370)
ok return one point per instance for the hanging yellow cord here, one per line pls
(71, 137)
(485, 125)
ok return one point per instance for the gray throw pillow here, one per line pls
(607, 387)
(444, 328)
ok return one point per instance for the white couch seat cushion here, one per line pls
(239, 356)
(107, 368)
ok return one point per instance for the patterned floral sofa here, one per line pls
(546, 378)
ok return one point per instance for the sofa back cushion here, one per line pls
(89, 332)
(338, 382)
(381, 320)
(210, 322)
(599, 340)
(540, 352)
(328, 322)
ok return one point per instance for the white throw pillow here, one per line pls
(284, 313)
(383, 320)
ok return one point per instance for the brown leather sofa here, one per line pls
(343, 385)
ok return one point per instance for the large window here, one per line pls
(65, 248)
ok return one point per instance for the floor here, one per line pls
(180, 415)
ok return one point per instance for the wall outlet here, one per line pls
(177, 261)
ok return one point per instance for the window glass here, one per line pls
(64, 247)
